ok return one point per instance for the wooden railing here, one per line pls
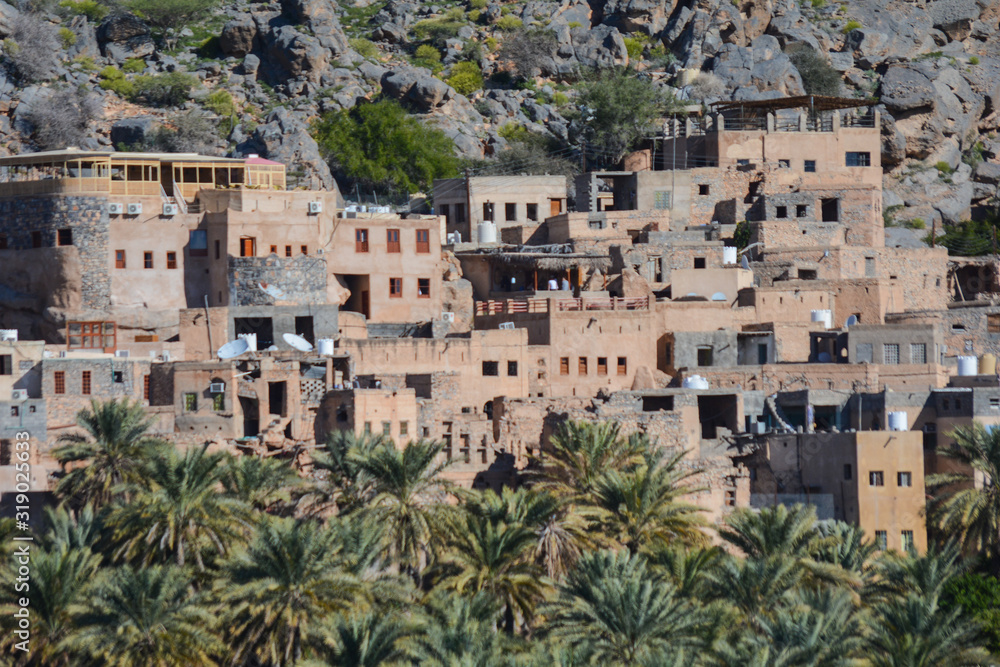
(513, 306)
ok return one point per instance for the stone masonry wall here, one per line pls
(277, 281)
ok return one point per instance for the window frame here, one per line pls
(392, 244)
(361, 240)
(120, 258)
(59, 382)
(876, 478)
(171, 260)
(86, 384)
(423, 288)
(809, 166)
(395, 288)
(423, 241)
(147, 259)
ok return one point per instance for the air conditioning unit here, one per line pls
(134, 209)
(122, 354)
(448, 317)
(506, 325)
(758, 428)
(315, 207)
(19, 395)
(217, 387)
(116, 209)
(170, 209)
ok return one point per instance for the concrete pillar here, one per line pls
(802, 122)
(688, 127)
(720, 122)
(770, 122)
(836, 121)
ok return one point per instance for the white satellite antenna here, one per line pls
(233, 348)
(744, 262)
(851, 321)
(718, 296)
(298, 342)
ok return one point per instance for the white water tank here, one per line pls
(695, 382)
(729, 254)
(897, 421)
(824, 316)
(968, 365)
(325, 346)
(8, 334)
(487, 232)
(251, 339)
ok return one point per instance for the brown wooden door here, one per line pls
(365, 304)
(555, 206)
(248, 247)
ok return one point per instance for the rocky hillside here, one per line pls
(250, 77)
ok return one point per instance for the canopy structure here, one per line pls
(814, 103)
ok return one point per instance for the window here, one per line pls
(859, 159)
(404, 428)
(784, 164)
(742, 162)
(171, 260)
(85, 383)
(704, 189)
(392, 240)
(360, 240)
(395, 287)
(512, 368)
(218, 249)
(15, 411)
(147, 259)
(699, 262)
(288, 251)
(582, 366)
(118, 377)
(622, 366)
(510, 211)
(386, 428)
(274, 250)
(36, 239)
(881, 540)
(993, 324)
(59, 379)
(198, 243)
(904, 479)
(190, 402)
(876, 478)
(810, 166)
(781, 212)
(848, 471)
(532, 212)
(890, 354)
(423, 240)
(304, 249)
(64, 237)
(801, 210)
(218, 402)
(145, 387)
(906, 540)
(491, 368)
(424, 288)
(90, 335)
(602, 365)
(119, 259)
(564, 366)
(958, 327)
(6, 364)
(918, 353)
(488, 211)
(661, 200)
(704, 356)
(830, 209)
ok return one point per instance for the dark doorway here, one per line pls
(717, 411)
(358, 301)
(761, 353)
(304, 328)
(276, 398)
(262, 326)
(831, 210)
(251, 416)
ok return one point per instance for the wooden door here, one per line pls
(365, 304)
(248, 247)
(555, 206)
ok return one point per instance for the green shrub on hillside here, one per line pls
(365, 47)
(220, 103)
(466, 77)
(170, 14)
(67, 37)
(168, 89)
(381, 146)
(429, 57)
(113, 79)
(439, 29)
(134, 65)
(509, 23)
(851, 26)
(95, 12)
(818, 76)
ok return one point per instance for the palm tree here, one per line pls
(261, 483)
(274, 594)
(80, 529)
(580, 453)
(145, 616)
(340, 483)
(495, 557)
(618, 613)
(640, 508)
(409, 501)
(60, 581)
(966, 505)
(370, 640)
(460, 631)
(755, 587)
(687, 569)
(180, 511)
(115, 449)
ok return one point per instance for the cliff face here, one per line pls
(935, 67)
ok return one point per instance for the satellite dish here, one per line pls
(273, 348)
(851, 321)
(233, 348)
(718, 296)
(744, 262)
(298, 342)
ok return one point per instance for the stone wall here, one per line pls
(277, 281)
(86, 217)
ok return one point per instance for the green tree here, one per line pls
(915, 631)
(379, 145)
(114, 449)
(818, 76)
(580, 453)
(342, 484)
(461, 630)
(170, 14)
(961, 507)
(618, 613)
(370, 640)
(261, 483)
(179, 511)
(276, 593)
(465, 77)
(146, 616)
(620, 108)
(979, 596)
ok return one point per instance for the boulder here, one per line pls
(296, 53)
(251, 64)
(7, 15)
(600, 46)
(284, 137)
(987, 172)
(125, 36)
(868, 47)
(904, 88)
(132, 131)
(390, 33)
(238, 37)
(893, 143)
(648, 16)
(629, 284)
(422, 92)
(955, 18)
(956, 207)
